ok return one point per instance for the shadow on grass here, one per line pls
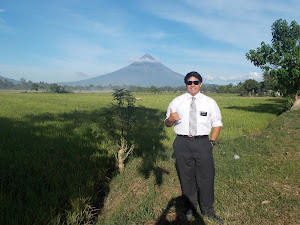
(174, 214)
(46, 168)
(271, 108)
(48, 162)
(146, 134)
(148, 137)
(158, 172)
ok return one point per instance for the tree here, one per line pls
(24, 84)
(55, 88)
(34, 86)
(23, 80)
(153, 89)
(124, 117)
(269, 82)
(6, 84)
(282, 58)
(251, 87)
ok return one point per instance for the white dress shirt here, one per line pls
(208, 113)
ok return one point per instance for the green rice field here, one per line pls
(57, 166)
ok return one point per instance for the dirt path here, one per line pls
(296, 105)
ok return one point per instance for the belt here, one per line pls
(192, 137)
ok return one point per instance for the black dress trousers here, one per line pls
(195, 165)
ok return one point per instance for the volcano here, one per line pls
(144, 72)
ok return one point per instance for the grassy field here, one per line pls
(56, 166)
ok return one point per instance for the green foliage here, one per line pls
(230, 88)
(123, 96)
(269, 82)
(35, 87)
(24, 85)
(57, 88)
(6, 84)
(124, 115)
(251, 87)
(282, 58)
(248, 88)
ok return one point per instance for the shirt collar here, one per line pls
(197, 96)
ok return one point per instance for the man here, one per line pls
(193, 115)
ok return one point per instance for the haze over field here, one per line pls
(67, 41)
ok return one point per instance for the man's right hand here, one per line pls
(172, 118)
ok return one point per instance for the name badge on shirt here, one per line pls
(203, 113)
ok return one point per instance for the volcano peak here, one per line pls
(148, 56)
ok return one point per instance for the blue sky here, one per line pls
(60, 40)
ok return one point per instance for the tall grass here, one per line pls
(50, 157)
(259, 188)
(54, 169)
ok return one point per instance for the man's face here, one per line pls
(193, 89)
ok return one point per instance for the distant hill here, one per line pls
(145, 72)
(10, 80)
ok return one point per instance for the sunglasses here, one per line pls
(195, 82)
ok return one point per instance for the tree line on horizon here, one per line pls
(248, 88)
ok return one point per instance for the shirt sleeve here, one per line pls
(216, 118)
(171, 106)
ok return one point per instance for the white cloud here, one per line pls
(208, 77)
(76, 22)
(232, 78)
(216, 56)
(254, 75)
(4, 27)
(251, 75)
(144, 60)
(241, 23)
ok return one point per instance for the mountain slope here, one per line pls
(145, 72)
(9, 80)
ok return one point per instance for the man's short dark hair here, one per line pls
(192, 74)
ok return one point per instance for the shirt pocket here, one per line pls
(203, 116)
